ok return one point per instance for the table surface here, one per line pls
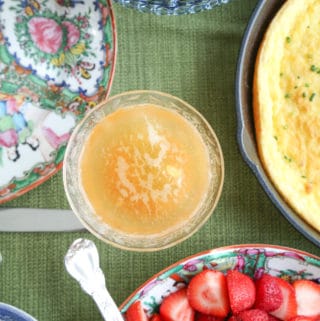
(193, 57)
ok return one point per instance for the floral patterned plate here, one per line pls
(10, 313)
(57, 61)
(253, 260)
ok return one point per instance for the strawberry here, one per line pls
(303, 318)
(253, 315)
(308, 298)
(269, 295)
(176, 307)
(288, 307)
(272, 318)
(156, 317)
(207, 317)
(208, 293)
(135, 312)
(241, 290)
(234, 318)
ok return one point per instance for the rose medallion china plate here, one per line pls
(57, 61)
(252, 259)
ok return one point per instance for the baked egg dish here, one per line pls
(286, 105)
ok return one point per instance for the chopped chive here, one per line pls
(287, 95)
(314, 68)
(275, 137)
(288, 39)
(307, 85)
(287, 158)
(304, 95)
(312, 96)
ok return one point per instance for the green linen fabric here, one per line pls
(193, 57)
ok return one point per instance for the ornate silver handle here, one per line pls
(82, 263)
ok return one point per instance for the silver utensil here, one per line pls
(38, 220)
(82, 263)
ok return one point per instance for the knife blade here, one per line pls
(38, 220)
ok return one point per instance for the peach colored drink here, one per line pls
(144, 169)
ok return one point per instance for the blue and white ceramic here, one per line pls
(11, 313)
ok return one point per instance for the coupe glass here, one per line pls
(80, 203)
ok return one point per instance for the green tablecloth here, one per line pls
(193, 57)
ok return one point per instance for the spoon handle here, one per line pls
(82, 263)
(106, 305)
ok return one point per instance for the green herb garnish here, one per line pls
(314, 68)
(287, 158)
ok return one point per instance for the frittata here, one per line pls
(286, 100)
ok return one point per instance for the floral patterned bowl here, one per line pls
(253, 260)
(56, 62)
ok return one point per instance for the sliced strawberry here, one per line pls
(234, 318)
(241, 290)
(176, 307)
(156, 317)
(135, 312)
(208, 293)
(268, 295)
(207, 317)
(303, 318)
(272, 318)
(308, 298)
(253, 315)
(288, 307)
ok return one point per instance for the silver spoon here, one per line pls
(82, 263)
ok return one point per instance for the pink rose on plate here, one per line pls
(46, 34)
(73, 34)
